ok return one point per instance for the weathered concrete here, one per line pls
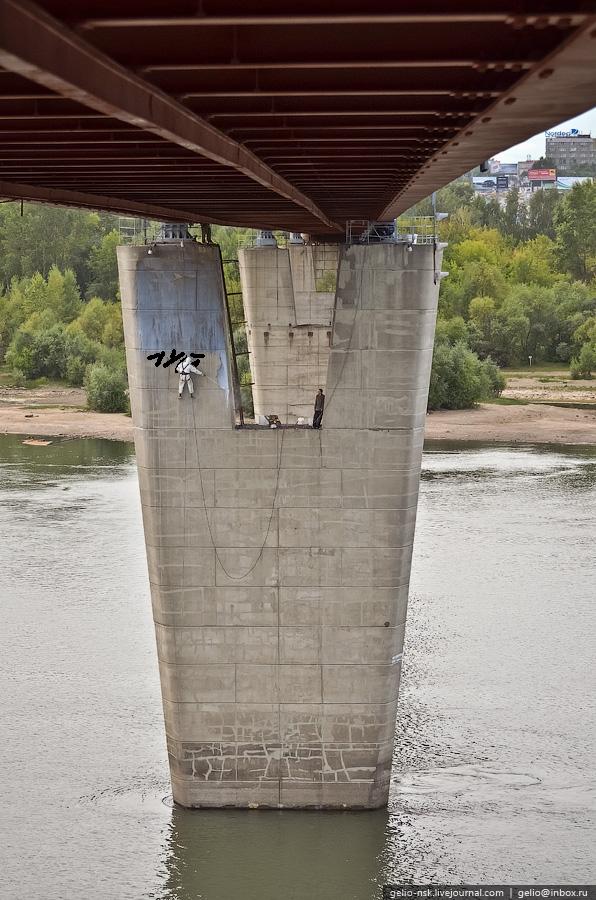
(279, 559)
(288, 300)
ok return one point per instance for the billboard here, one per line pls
(542, 174)
(502, 182)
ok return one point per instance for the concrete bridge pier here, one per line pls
(279, 559)
(288, 294)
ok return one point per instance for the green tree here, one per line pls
(452, 331)
(113, 331)
(510, 332)
(514, 216)
(584, 365)
(36, 353)
(482, 279)
(35, 295)
(63, 295)
(532, 262)
(44, 236)
(460, 380)
(541, 211)
(107, 389)
(542, 330)
(575, 220)
(93, 319)
(103, 266)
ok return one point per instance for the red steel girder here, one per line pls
(99, 13)
(231, 81)
(41, 49)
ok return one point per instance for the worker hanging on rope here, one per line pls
(185, 369)
(319, 407)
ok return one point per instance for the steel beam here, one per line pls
(149, 13)
(40, 48)
(276, 218)
(563, 86)
(60, 197)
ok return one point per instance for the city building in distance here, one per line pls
(570, 150)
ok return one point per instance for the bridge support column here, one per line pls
(288, 325)
(279, 559)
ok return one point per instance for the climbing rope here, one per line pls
(349, 347)
(274, 501)
(279, 457)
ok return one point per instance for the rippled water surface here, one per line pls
(494, 753)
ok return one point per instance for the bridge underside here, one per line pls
(285, 116)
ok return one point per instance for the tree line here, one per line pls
(60, 315)
(522, 283)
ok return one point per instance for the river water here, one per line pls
(492, 772)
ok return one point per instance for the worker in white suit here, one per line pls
(185, 369)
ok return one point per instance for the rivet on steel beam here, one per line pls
(517, 22)
(546, 73)
(510, 100)
(486, 119)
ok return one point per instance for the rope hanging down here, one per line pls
(274, 501)
(278, 456)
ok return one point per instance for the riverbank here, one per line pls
(58, 412)
(533, 423)
(61, 413)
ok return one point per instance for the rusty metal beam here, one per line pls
(257, 11)
(40, 48)
(61, 197)
(512, 62)
(112, 16)
(332, 43)
(282, 81)
(324, 106)
(135, 207)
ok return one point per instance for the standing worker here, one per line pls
(206, 233)
(185, 368)
(319, 407)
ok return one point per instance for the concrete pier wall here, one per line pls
(279, 559)
(288, 325)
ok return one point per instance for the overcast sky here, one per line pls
(534, 147)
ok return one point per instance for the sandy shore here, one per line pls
(58, 412)
(533, 423)
(61, 413)
(66, 423)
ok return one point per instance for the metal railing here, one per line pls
(405, 230)
(416, 230)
